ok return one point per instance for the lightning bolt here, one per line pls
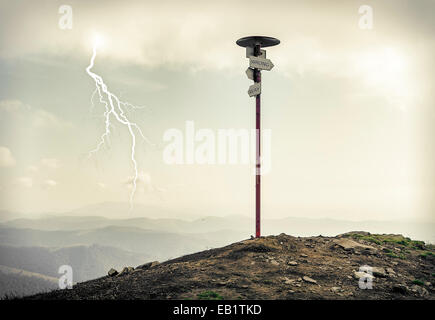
(114, 110)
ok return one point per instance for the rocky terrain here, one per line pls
(278, 267)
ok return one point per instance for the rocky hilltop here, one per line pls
(355, 265)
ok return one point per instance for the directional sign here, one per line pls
(255, 89)
(260, 63)
(250, 52)
(250, 73)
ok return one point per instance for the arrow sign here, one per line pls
(260, 63)
(250, 73)
(255, 89)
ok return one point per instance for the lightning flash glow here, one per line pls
(114, 111)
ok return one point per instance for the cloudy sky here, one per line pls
(351, 110)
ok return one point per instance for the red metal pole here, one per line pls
(258, 153)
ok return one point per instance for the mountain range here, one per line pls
(93, 243)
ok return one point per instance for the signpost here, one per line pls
(250, 73)
(260, 63)
(257, 62)
(254, 90)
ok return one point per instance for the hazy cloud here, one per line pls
(336, 96)
(32, 168)
(43, 118)
(49, 184)
(13, 106)
(52, 163)
(143, 182)
(26, 182)
(38, 118)
(6, 158)
(102, 185)
(202, 35)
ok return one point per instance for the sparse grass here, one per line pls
(417, 245)
(209, 295)
(418, 282)
(369, 238)
(426, 254)
(393, 239)
(267, 281)
(399, 256)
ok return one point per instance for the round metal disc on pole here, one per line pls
(257, 40)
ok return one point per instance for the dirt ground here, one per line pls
(278, 267)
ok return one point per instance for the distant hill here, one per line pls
(122, 209)
(28, 270)
(239, 226)
(41, 245)
(154, 244)
(88, 262)
(279, 267)
(17, 283)
(202, 225)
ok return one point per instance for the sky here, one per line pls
(350, 110)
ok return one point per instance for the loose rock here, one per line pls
(148, 265)
(350, 245)
(289, 281)
(112, 272)
(400, 288)
(390, 271)
(308, 279)
(274, 262)
(360, 274)
(125, 271)
(379, 272)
